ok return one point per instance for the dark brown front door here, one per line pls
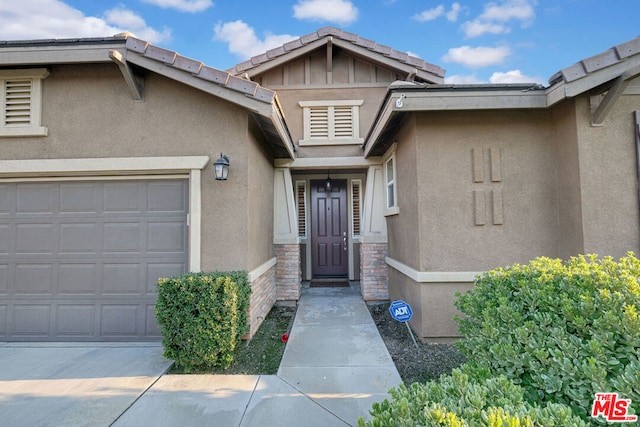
(329, 228)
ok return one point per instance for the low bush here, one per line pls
(561, 330)
(464, 399)
(202, 317)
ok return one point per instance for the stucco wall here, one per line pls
(90, 114)
(403, 230)
(522, 170)
(608, 175)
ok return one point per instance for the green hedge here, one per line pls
(561, 330)
(202, 317)
(461, 399)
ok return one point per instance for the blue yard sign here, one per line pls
(400, 311)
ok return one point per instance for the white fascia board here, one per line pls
(596, 78)
(102, 166)
(380, 123)
(241, 99)
(65, 54)
(324, 162)
(278, 122)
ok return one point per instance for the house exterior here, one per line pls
(347, 159)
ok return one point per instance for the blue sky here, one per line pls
(497, 41)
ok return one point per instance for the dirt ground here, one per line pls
(423, 364)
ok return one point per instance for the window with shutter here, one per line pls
(301, 197)
(355, 207)
(390, 174)
(331, 122)
(21, 96)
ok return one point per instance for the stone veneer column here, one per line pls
(288, 273)
(374, 273)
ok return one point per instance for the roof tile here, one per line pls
(244, 66)
(187, 64)
(214, 75)
(276, 52)
(294, 44)
(160, 54)
(350, 37)
(259, 59)
(136, 45)
(309, 38)
(265, 95)
(574, 72)
(632, 47)
(602, 60)
(366, 43)
(242, 85)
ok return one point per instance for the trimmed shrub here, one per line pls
(561, 330)
(202, 317)
(461, 399)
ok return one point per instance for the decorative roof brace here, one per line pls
(600, 110)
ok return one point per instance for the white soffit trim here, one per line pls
(324, 162)
(433, 276)
(260, 270)
(102, 166)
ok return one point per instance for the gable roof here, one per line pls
(366, 48)
(125, 49)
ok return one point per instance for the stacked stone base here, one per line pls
(374, 273)
(288, 272)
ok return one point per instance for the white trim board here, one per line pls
(261, 269)
(433, 276)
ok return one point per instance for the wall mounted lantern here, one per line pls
(328, 184)
(221, 168)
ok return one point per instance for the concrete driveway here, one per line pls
(74, 384)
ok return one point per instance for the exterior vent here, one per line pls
(17, 102)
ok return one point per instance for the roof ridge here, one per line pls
(370, 45)
(199, 69)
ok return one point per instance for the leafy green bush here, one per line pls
(463, 399)
(202, 317)
(561, 330)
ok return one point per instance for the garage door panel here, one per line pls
(31, 320)
(36, 198)
(119, 320)
(75, 320)
(122, 196)
(34, 279)
(79, 260)
(119, 279)
(166, 197)
(122, 237)
(80, 198)
(35, 238)
(79, 238)
(77, 279)
(164, 237)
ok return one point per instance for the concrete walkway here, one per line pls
(334, 367)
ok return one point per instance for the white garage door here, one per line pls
(79, 260)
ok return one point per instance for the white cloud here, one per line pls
(496, 17)
(192, 6)
(513, 76)
(53, 19)
(477, 28)
(452, 15)
(242, 39)
(338, 11)
(463, 80)
(477, 57)
(429, 14)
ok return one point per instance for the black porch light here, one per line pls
(221, 168)
(328, 184)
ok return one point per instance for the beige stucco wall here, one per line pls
(450, 240)
(608, 176)
(90, 113)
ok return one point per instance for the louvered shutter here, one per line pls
(343, 122)
(355, 207)
(17, 100)
(301, 191)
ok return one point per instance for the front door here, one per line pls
(329, 247)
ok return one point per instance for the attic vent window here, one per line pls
(331, 122)
(21, 102)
